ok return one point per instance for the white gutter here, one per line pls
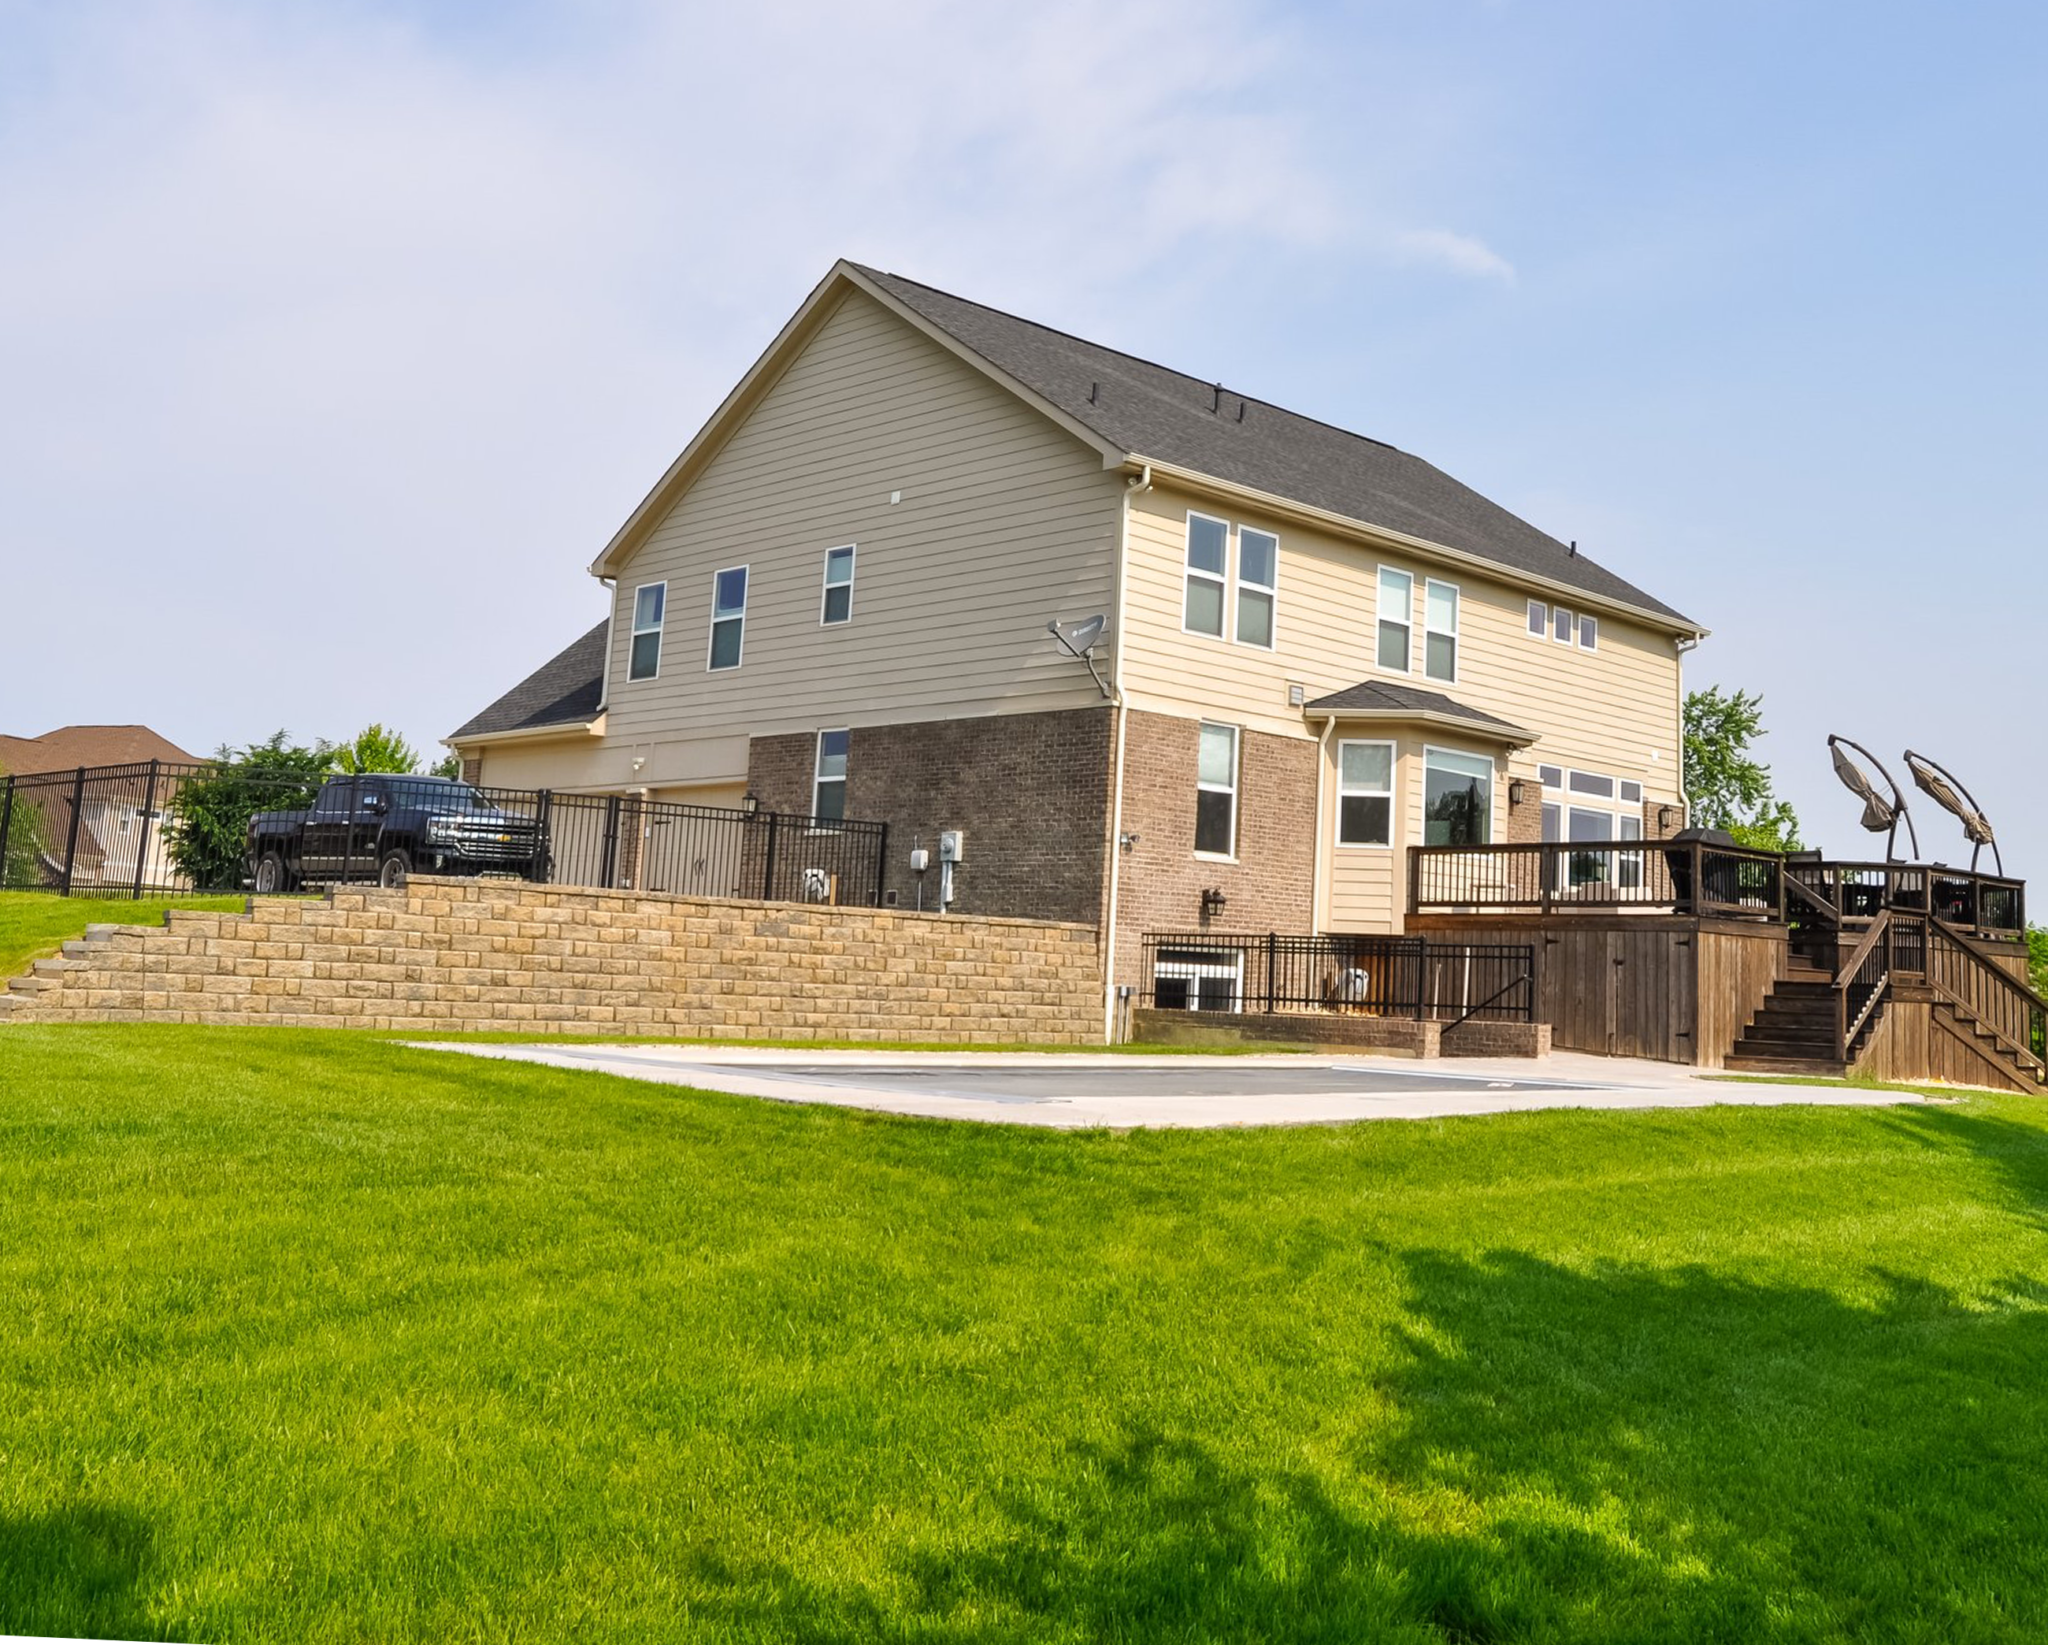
(592, 727)
(1323, 831)
(611, 624)
(1137, 486)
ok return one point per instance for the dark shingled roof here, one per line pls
(1149, 411)
(1378, 697)
(565, 690)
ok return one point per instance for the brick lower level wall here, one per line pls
(453, 954)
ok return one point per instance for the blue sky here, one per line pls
(336, 339)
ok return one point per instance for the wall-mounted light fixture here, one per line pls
(1666, 815)
(750, 802)
(1212, 903)
(1518, 791)
(1128, 841)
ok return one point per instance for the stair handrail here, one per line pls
(1877, 933)
(2017, 992)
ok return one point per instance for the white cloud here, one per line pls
(1459, 253)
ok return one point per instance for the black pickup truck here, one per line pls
(382, 828)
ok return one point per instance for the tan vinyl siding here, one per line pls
(1613, 710)
(1005, 523)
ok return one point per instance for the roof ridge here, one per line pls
(1126, 354)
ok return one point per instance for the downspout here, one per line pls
(1683, 644)
(1134, 487)
(611, 633)
(1324, 833)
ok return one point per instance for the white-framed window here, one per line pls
(1589, 632)
(1561, 625)
(1550, 776)
(728, 617)
(1594, 808)
(1365, 793)
(1397, 614)
(1631, 792)
(1207, 574)
(838, 598)
(828, 789)
(1258, 573)
(1457, 798)
(1593, 785)
(1198, 979)
(650, 607)
(1539, 619)
(1216, 792)
(1440, 637)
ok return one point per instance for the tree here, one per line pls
(207, 830)
(449, 766)
(2037, 958)
(376, 749)
(21, 857)
(1726, 787)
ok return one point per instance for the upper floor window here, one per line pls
(1564, 626)
(1365, 793)
(1589, 632)
(828, 793)
(1258, 566)
(650, 602)
(1561, 626)
(728, 617)
(1216, 792)
(1440, 646)
(1539, 618)
(838, 585)
(1397, 612)
(1208, 555)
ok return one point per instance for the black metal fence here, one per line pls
(1371, 975)
(160, 829)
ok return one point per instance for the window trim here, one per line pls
(1236, 782)
(711, 637)
(1588, 624)
(1393, 772)
(818, 777)
(1571, 624)
(1492, 785)
(826, 585)
(634, 631)
(1429, 632)
(1407, 620)
(1220, 579)
(1540, 628)
(1270, 590)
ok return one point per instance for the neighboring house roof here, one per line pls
(71, 746)
(1377, 700)
(1151, 412)
(567, 690)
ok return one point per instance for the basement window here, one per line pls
(650, 602)
(728, 617)
(838, 585)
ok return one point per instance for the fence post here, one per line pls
(6, 827)
(71, 839)
(611, 841)
(1272, 948)
(142, 829)
(541, 869)
(881, 865)
(768, 863)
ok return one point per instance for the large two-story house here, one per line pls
(1315, 650)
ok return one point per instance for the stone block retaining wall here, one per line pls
(450, 954)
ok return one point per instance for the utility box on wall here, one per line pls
(952, 846)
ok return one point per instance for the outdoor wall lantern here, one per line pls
(1518, 791)
(750, 802)
(1212, 903)
(1666, 815)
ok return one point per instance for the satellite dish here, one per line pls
(1078, 639)
(1880, 815)
(1947, 791)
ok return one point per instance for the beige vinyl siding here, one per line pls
(1613, 710)
(1005, 523)
(1368, 885)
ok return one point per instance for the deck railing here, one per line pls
(1981, 903)
(1596, 876)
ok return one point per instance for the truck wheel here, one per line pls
(270, 875)
(391, 872)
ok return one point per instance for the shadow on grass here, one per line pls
(74, 1571)
(1613, 1454)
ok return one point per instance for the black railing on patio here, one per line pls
(160, 829)
(1369, 974)
(1596, 875)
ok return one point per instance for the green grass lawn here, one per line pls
(312, 1337)
(34, 923)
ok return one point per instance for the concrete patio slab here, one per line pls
(1082, 1091)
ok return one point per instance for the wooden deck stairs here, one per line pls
(1794, 1032)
